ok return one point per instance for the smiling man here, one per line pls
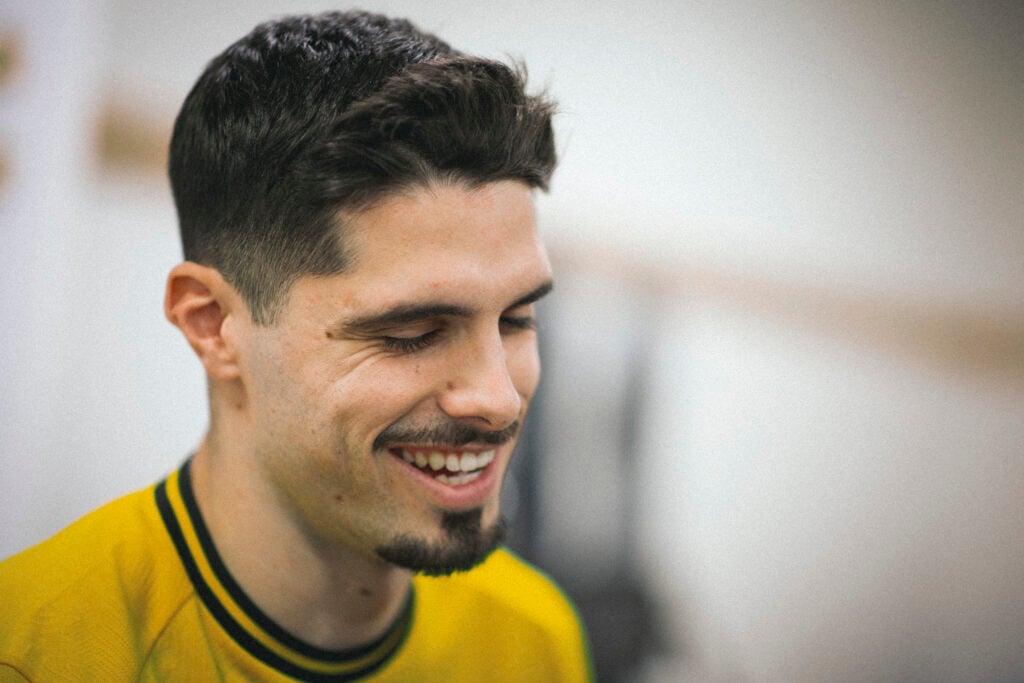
(356, 207)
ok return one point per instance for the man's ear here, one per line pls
(199, 302)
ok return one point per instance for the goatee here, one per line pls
(466, 544)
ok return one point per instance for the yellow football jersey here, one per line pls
(137, 591)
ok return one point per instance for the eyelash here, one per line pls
(526, 322)
(410, 344)
(413, 344)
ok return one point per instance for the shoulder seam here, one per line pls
(8, 665)
(163, 629)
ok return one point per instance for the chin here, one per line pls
(465, 543)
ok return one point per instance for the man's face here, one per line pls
(386, 400)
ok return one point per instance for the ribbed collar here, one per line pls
(253, 630)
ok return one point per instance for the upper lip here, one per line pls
(444, 448)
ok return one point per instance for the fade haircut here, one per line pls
(310, 116)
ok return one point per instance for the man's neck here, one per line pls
(331, 598)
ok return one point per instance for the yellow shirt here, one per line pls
(136, 591)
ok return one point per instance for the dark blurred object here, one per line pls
(570, 491)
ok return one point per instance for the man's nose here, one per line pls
(479, 385)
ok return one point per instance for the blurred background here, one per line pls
(781, 431)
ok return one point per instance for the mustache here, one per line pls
(443, 433)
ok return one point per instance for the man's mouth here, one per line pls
(451, 467)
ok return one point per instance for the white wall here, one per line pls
(813, 509)
(98, 396)
(840, 515)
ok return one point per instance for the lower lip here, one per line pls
(464, 496)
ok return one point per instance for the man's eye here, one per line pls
(410, 344)
(517, 322)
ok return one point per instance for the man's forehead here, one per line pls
(493, 225)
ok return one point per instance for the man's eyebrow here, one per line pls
(409, 313)
(535, 295)
(399, 315)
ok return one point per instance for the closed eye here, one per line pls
(517, 323)
(410, 344)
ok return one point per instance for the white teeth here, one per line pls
(457, 479)
(484, 459)
(454, 464)
(437, 460)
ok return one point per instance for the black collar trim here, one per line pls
(252, 629)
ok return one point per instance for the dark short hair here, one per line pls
(308, 116)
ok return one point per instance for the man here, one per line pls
(355, 203)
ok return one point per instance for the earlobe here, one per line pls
(199, 302)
